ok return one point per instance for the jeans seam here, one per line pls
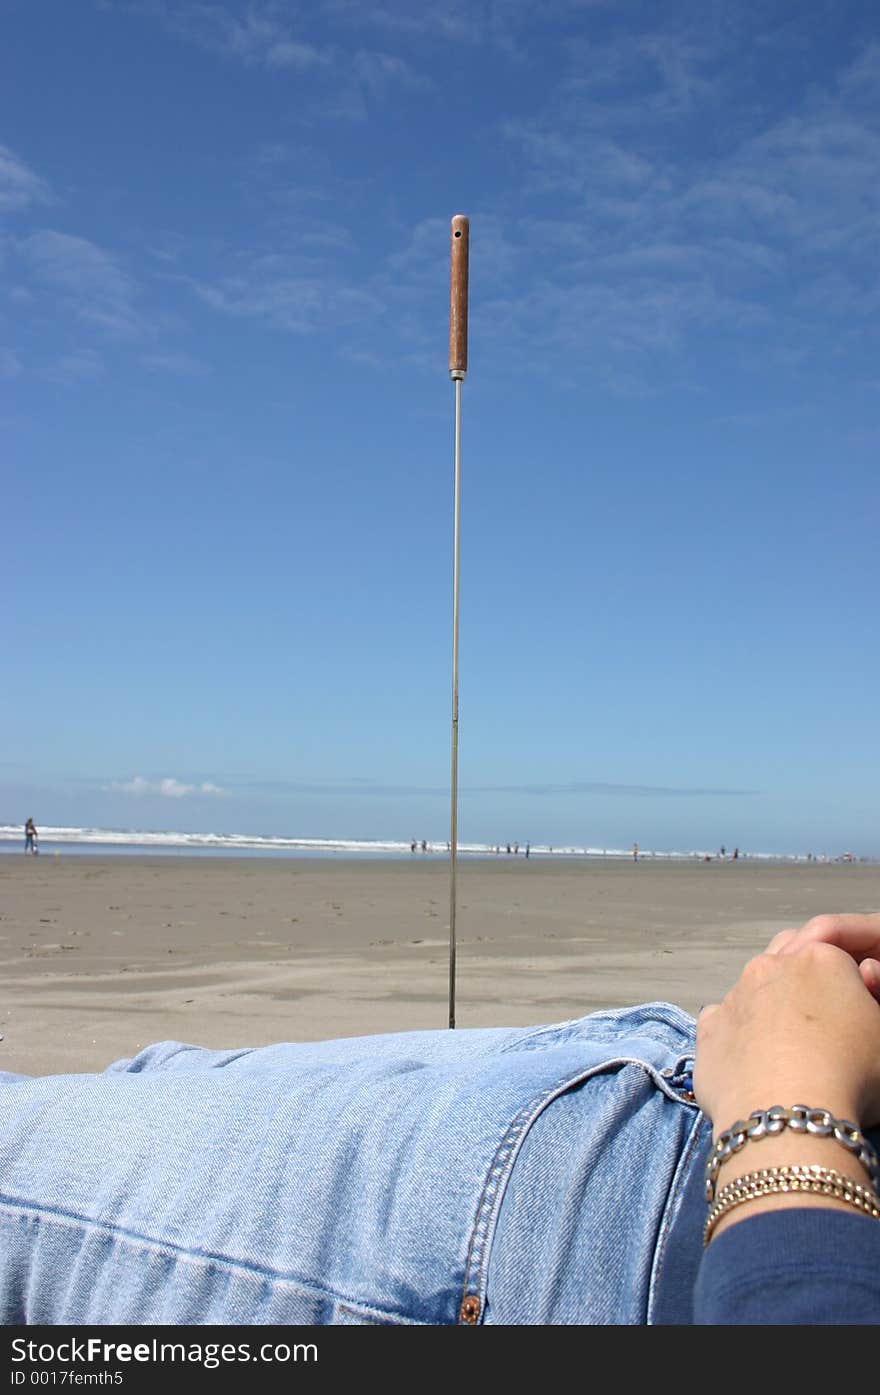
(26, 1213)
(504, 1156)
(619, 1023)
(676, 1189)
(382, 1317)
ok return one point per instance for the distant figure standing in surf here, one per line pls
(30, 836)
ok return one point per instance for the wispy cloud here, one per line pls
(627, 237)
(575, 787)
(457, 21)
(261, 33)
(665, 238)
(671, 72)
(91, 281)
(80, 366)
(573, 162)
(287, 53)
(19, 186)
(380, 71)
(168, 788)
(499, 23)
(85, 290)
(266, 34)
(289, 293)
(180, 365)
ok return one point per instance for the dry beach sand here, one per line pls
(101, 956)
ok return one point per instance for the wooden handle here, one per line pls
(458, 296)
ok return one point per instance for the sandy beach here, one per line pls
(101, 956)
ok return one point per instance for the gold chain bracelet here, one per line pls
(792, 1177)
(765, 1123)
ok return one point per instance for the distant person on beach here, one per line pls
(528, 848)
(635, 852)
(629, 1167)
(30, 836)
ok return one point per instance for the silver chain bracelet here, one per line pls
(763, 1123)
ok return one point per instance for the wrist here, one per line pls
(839, 1101)
(802, 1185)
(809, 1125)
(796, 1142)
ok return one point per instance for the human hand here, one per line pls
(799, 1026)
(858, 935)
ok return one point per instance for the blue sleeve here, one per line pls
(805, 1266)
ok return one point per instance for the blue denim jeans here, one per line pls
(500, 1175)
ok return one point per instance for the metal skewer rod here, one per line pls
(458, 317)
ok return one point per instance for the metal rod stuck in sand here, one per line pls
(458, 323)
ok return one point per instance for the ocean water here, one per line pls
(107, 841)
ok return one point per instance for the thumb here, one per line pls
(870, 972)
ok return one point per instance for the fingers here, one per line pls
(870, 972)
(858, 935)
(806, 1016)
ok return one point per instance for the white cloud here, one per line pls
(267, 35)
(297, 294)
(288, 54)
(863, 77)
(455, 21)
(378, 71)
(80, 366)
(19, 186)
(500, 23)
(168, 787)
(654, 239)
(256, 36)
(91, 280)
(174, 789)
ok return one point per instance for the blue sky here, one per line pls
(227, 423)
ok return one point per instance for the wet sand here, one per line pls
(101, 956)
